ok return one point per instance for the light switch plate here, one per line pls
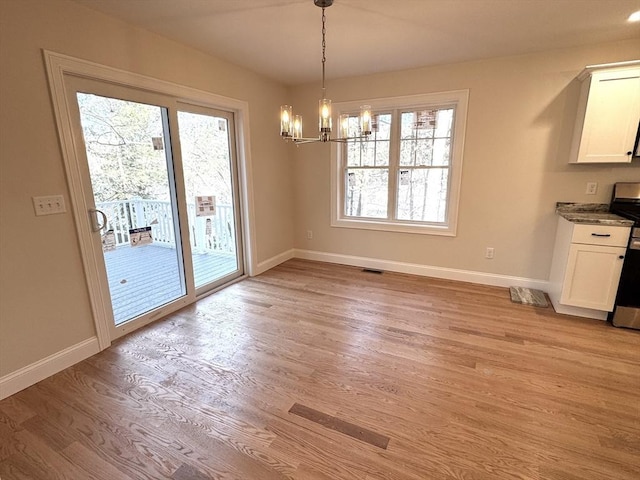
(49, 205)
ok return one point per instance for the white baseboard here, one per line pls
(32, 374)
(424, 270)
(273, 262)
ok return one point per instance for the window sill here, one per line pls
(441, 230)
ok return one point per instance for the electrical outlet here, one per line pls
(309, 234)
(49, 205)
(489, 253)
(592, 188)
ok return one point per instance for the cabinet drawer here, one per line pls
(601, 235)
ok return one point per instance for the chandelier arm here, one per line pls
(299, 141)
(302, 141)
(349, 139)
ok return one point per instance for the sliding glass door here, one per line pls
(132, 179)
(207, 145)
(160, 178)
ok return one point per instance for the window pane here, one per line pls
(353, 129)
(373, 152)
(441, 154)
(382, 154)
(416, 153)
(366, 192)
(425, 137)
(444, 122)
(352, 149)
(422, 194)
(381, 126)
(369, 153)
(414, 124)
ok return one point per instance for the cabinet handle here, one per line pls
(629, 152)
(621, 257)
(600, 234)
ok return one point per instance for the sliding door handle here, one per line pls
(96, 226)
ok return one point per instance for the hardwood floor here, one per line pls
(387, 377)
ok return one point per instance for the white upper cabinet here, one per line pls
(608, 114)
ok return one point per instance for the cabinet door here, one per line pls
(611, 117)
(592, 276)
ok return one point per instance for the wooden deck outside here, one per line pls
(143, 278)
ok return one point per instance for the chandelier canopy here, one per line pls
(291, 125)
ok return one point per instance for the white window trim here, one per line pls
(458, 98)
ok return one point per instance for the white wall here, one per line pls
(520, 121)
(44, 306)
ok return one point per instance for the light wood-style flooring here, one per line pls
(318, 371)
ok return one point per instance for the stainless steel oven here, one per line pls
(626, 203)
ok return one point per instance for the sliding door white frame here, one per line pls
(60, 66)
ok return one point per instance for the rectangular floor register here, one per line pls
(355, 431)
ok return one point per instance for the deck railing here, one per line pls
(208, 234)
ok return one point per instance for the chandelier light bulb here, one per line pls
(365, 120)
(344, 126)
(297, 127)
(286, 117)
(325, 115)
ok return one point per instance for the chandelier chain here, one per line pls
(324, 49)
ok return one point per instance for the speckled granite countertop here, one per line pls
(591, 214)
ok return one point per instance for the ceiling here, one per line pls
(282, 38)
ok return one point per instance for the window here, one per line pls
(406, 176)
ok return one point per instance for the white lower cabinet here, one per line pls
(586, 267)
(592, 276)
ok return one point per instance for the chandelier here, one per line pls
(291, 125)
